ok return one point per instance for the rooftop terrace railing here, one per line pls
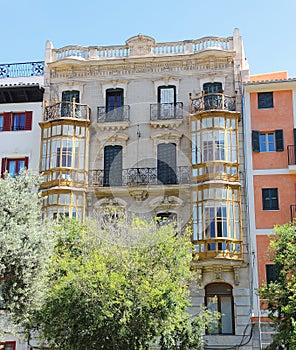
(26, 69)
(157, 49)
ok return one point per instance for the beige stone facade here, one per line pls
(156, 129)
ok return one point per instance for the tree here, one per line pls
(25, 247)
(122, 286)
(281, 294)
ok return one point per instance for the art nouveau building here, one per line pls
(270, 124)
(156, 129)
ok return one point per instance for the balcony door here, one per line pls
(112, 166)
(166, 163)
(114, 102)
(67, 99)
(212, 100)
(167, 101)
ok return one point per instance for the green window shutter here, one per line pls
(255, 141)
(279, 140)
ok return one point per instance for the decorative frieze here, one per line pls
(89, 70)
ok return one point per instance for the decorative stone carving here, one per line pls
(140, 45)
(139, 195)
(115, 139)
(166, 203)
(218, 272)
(236, 278)
(167, 136)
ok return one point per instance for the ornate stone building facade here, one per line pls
(156, 129)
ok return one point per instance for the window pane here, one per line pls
(20, 165)
(12, 168)
(212, 305)
(265, 100)
(166, 95)
(226, 314)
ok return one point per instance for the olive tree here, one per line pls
(25, 248)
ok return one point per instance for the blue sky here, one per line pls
(267, 27)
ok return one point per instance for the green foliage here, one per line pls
(122, 285)
(281, 295)
(25, 246)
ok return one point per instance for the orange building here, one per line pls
(270, 139)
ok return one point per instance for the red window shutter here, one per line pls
(4, 166)
(27, 162)
(7, 124)
(28, 120)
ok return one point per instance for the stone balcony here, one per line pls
(139, 45)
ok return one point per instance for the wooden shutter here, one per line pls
(7, 123)
(255, 141)
(28, 120)
(27, 162)
(112, 166)
(279, 140)
(3, 166)
(166, 163)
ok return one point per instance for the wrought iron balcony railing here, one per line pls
(134, 177)
(291, 154)
(164, 111)
(218, 101)
(119, 114)
(27, 69)
(67, 110)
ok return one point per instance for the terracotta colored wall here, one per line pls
(286, 185)
(270, 119)
(263, 256)
(269, 76)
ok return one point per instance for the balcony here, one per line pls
(137, 177)
(63, 110)
(116, 118)
(166, 114)
(219, 248)
(212, 101)
(291, 158)
(27, 69)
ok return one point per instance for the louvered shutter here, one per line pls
(28, 120)
(279, 140)
(3, 166)
(27, 162)
(7, 124)
(255, 141)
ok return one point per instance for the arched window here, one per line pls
(218, 297)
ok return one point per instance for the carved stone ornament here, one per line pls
(138, 195)
(218, 272)
(140, 45)
(236, 275)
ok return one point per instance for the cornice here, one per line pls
(71, 68)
